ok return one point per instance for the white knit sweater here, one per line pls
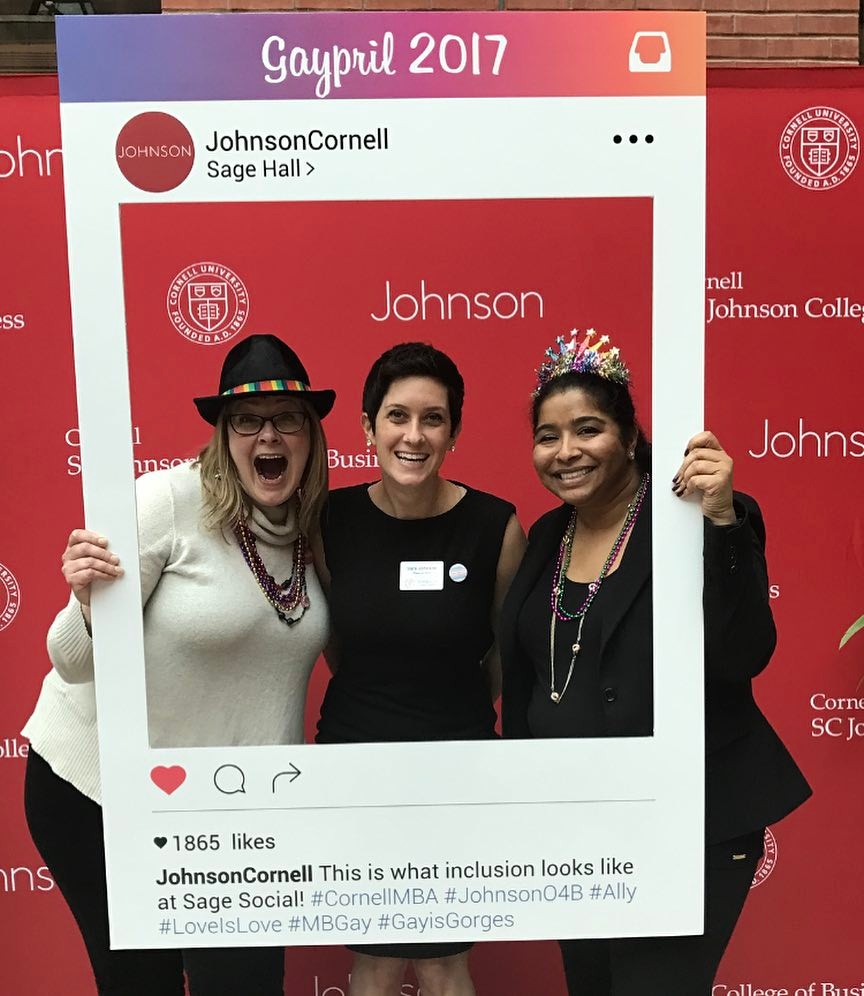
(221, 668)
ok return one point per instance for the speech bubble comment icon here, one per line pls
(229, 779)
(169, 779)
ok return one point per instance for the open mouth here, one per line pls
(270, 466)
(412, 458)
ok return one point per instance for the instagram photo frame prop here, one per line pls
(349, 181)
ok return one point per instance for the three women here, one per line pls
(418, 567)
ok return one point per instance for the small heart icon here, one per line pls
(160, 841)
(168, 779)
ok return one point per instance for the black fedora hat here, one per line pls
(257, 366)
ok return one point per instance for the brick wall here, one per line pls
(741, 32)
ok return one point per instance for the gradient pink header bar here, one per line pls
(381, 55)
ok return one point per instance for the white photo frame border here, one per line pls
(630, 788)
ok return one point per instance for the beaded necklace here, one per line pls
(557, 598)
(285, 597)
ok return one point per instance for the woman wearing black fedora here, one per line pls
(217, 538)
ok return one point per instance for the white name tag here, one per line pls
(421, 575)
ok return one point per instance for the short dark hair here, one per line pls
(612, 398)
(414, 359)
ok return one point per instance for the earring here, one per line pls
(631, 455)
(453, 448)
(368, 442)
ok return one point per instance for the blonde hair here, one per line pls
(225, 501)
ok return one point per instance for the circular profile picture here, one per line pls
(819, 148)
(207, 303)
(155, 152)
(10, 597)
(769, 860)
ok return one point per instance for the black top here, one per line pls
(750, 780)
(409, 661)
(579, 711)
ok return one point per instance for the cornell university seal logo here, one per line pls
(10, 597)
(819, 148)
(208, 303)
(769, 859)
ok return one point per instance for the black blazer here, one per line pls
(751, 779)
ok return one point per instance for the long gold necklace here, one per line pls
(558, 611)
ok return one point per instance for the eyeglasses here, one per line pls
(249, 424)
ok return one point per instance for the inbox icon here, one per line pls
(650, 52)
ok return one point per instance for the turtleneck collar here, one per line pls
(276, 534)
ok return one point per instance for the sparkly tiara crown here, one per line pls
(582, 357)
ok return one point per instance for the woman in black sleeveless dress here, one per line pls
(418, 566)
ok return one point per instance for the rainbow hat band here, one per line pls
(258, 366)
(266, 386)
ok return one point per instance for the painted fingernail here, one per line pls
(675, 478)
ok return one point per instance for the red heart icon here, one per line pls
(168, 779)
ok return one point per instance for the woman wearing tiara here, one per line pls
(592, 557)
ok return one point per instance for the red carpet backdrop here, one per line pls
(784, 314)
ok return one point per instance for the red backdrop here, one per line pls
(340, 263)
(781, 395)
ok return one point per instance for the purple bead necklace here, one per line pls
(285, 597)
(557, 597)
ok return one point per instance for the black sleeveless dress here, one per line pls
(411, 640)
(411, 603)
